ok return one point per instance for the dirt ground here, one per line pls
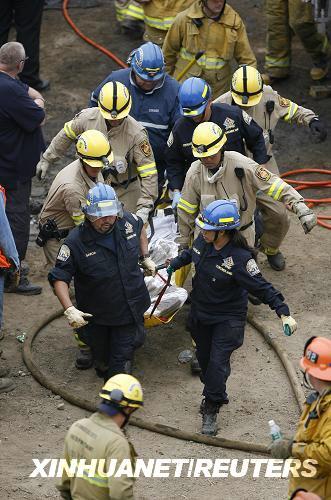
(32, 426)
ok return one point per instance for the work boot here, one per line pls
(209, 418)
(195, 367)
(84, 359)
(319, 72)
(277, 261)
(24, 287)
(271, 80)
(6, 385)
(203, 402)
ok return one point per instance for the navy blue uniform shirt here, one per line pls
(240, 130)
(222, 281)
(108, 281)
(21, 139)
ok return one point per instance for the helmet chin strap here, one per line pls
(307, 383)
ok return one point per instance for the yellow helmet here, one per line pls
(114, 101)
(94, 149)
(208, 138)
(246, 86)
(123, 390)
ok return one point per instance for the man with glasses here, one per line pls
(21, 143)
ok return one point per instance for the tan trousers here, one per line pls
(275, 220)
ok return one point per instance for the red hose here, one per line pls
(87, 39)
(302, 184)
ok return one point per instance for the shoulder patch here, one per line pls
(262, 173)
(228, 123)
(247, 118)
(283, 102)
(145, 148)
(252, 267)
(170, 140)
(64, 253)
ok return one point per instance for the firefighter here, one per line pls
(101, 438)
(133, 172)
(130, 17)
(312, 440)
(267, 107)
(283, 18)
(225, 271)
(102, 256)
(195, 100)
(154, 97)
(214, 27)
(219, 174)
(62, 209)
(159, 16)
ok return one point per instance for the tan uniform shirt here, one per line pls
(131, 148)
(199, 190)
(283, 109)
(97, 437)
(66, 196)
(223, 41)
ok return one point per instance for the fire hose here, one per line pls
(302, 184)
(49, 383)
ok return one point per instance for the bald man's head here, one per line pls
(11, 55)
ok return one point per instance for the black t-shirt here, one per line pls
(21, 139)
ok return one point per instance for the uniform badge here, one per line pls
(128, 227)
(247, 118)
(283, 102)
(64, 253)
(252, 267)
(262, 173)
(145, 148)
(228, 262)
(170, 140)
(228, 123)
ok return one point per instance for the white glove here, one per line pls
(42, 168)
(306, 216)
(143, 213)
(289, 324)
(175, 196)
(149, 266)
(76, 317)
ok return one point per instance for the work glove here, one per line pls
(306, 216)
(281, 448)
(148, 266)
(175, 196)
(76, 317)
(42, 168)
(143, 213)
(289, 325)
(317, 130)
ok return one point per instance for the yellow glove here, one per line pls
(148, 266)
(76, 317)
(289, 324)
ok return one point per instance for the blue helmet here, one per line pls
(148, 62)
(102, 201)
(220, 215)
(194, 95)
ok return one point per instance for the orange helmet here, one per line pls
(317, 358)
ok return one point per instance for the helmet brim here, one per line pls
(149, 78)
(208, 227)
(252, 100)
(315, 371)
(104, 209)
(98, 163)
(123, 114)
(192, 112)
(211, 151)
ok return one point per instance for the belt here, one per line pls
(128, 181)
(246, 226)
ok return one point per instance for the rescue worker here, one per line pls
(285, 17)
(62, 209)
(154, 97)
(133, 173)
(225, 271)
(159, 16)
(214, 27)
(312, 439)
(267, 107)
(102, 256)
(101, 438)
(219, 174)
(197, 107)
(130, 17)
